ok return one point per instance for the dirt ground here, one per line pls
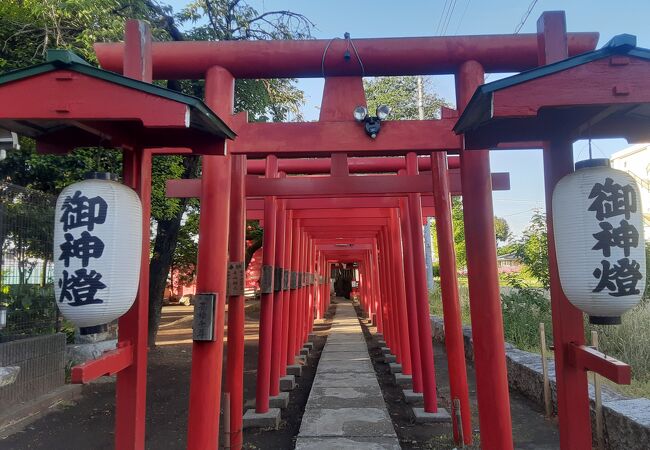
(88, 424)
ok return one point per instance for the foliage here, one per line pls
(28, 28)
(524, 308)
(532, 249)
(186, 254)
(401, 94)
(501, 229)
(629, 342)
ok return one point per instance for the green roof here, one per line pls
(479, 109)
(201, 116)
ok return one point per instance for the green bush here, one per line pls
(629, 341)
(524, 308)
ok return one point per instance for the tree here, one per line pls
(532, 249)
(28, 28)
(501, 229)
(401, 94)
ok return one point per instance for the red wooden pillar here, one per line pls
(296, 236)
(392, 339)
(236, 303)
(572, 385)
(278, 304)
(422, 293)
(301, 294)
(454, 342)
(286, 264)
(485, 300)
(207, 356)
(266, 313)
(377, 288)
(131, 389)
(310, 291)
(411, 306)
(400, 299)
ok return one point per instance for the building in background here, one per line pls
(635, 160)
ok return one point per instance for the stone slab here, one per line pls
(347, 443)
(344, 379)
(346, 397)
(344, 356)
(381, 343)
(389, 358)
(302, 360)
(309, 345)
(346, 347)
(345, 367)
(421, 416)
(386, 350)
(304, 351)
(402, 380)
(269, 419)
(413, 398)
(287, 383)
(346, 422)
(279, 401)
(311, 337)
(395, 367)
(295, 370)
(347, 339)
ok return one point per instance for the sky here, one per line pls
(390, 18)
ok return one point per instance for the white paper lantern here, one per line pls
(598, 226)
(97, 249)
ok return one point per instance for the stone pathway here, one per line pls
(346, 408)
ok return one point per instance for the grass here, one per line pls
(524, 309)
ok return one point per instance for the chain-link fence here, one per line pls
(26, 287)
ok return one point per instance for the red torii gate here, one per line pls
(223, 185)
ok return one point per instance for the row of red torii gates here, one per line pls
(378, 218)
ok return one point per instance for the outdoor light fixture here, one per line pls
(598, 223)
(382, 112)
(3, 317)
(360, 113)
(97, 242)
(372, 124)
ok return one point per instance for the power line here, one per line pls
(449, 16)
(442, 15)
(462, 16)
(525, 16)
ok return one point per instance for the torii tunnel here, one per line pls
(328, 193)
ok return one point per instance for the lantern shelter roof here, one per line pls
(191, 117)
(602, 93)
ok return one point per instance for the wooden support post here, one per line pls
(598, 399)
(454, 339)
(548, 404)
(485, 297)
(411, 307)
(207, 356)
(266, 313)
(131, 387)
(236, 304)
(286, 264)
(422, 294)
(278, 303)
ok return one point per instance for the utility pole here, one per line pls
(427, 227)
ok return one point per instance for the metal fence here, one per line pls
(26, 286)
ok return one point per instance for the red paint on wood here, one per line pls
(383, 56)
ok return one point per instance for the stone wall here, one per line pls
(626, 420)
(42, 367)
